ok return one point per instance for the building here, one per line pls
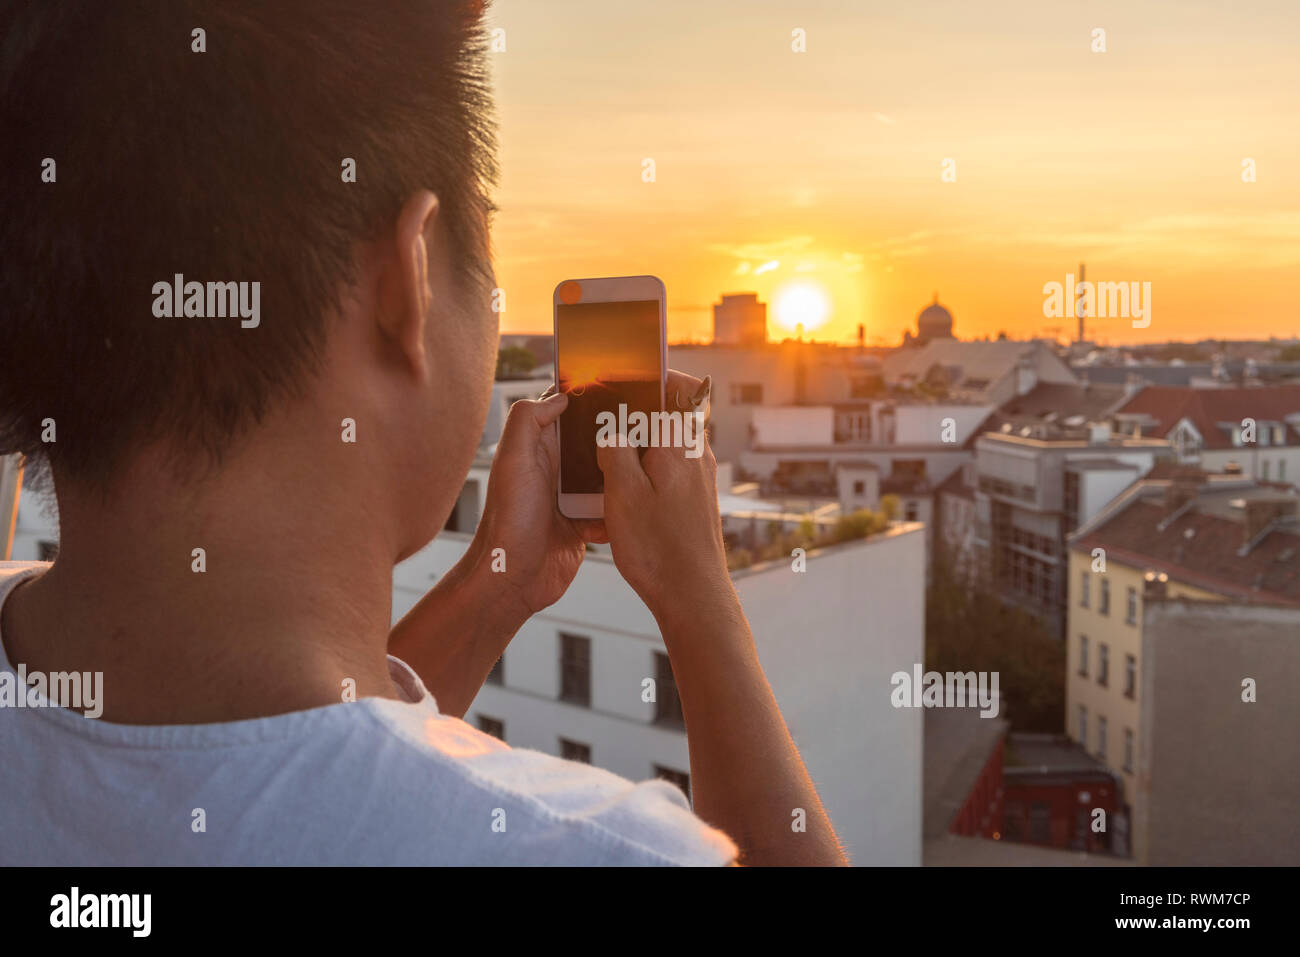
(1179, 534)
(1052, 793)
(956, 523)
(1219, 776)
(963, 774)
(1049, 465)
(1255, 430)
(985, 373)
(572, 683)
(932, 322)
(994, 799)
(853, 453)
(36, 519)
(747, 378)
(740, 320)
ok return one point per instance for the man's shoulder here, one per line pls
(520, 806)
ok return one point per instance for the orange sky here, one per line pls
(827, 163)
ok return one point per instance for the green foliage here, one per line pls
(969, 628)
(859, 524)
(892, 506)
(1289, 354)
(739, 558)
(514, 362)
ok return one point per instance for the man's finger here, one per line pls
(680, 383)
(622, 468)
(540, 413)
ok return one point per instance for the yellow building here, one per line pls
(1104, 660)
(1167, 539)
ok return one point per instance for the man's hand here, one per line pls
(541, 548)
(661, 512)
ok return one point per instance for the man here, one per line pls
(240, 463)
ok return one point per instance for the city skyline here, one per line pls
(821, 170)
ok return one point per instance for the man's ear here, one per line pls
(407, 293)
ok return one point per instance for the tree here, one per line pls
(514, 362)
(969, 628)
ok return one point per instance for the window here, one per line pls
(859, 487)
(1128, 749)
(49, 550)
(1101, 736)
(1085, 588)
(575, 751)
(497, 676)
(575, 669)
(679, 778)
(1083, 726)
(746, 393)
(493, 726)
(1103, 606)
(1264, 469)
(1071, 501)
(1131, 616)
(1281, 470)
(1083, 655)
(668, 704)
(910, 512)
(1103, 665)
(1130, 676)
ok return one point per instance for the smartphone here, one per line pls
(610, 351)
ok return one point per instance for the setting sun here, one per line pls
(801, 304)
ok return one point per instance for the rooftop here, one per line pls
(1237, 538)
(971, 365)
(1210, 410)
(958, 744)
(1058, 410)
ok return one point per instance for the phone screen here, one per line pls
(607, 354)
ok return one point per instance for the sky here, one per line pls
(816, 178)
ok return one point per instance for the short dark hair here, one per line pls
(224, 165)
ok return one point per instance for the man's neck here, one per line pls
(286, 607)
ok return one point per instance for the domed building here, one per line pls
(933, 322)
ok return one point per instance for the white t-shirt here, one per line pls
(372, 782)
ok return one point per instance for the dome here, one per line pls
(934, 322)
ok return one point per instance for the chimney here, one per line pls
(1098, 433)
(1183, 488)
(1260, 514)
(1026, 374)
(1155, 586)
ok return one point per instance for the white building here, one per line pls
(571, 683)
(1252, 431)
(855, 452)
(982, 372)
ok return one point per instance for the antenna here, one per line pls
(1082, 274)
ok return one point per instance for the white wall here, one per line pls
(794, 425)
(828, 639)
(923, 424)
